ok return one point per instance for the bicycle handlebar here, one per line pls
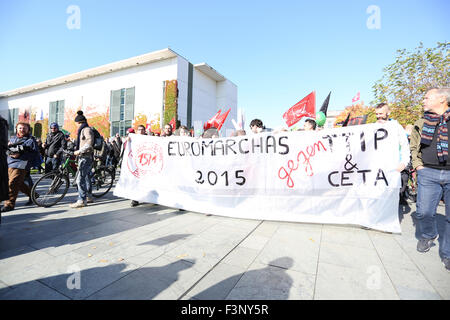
(70, 153)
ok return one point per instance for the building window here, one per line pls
(56, 113)
(13, 119)
(121, 112)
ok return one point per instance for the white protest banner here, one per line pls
(338, 176)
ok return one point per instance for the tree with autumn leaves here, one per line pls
(405, 82)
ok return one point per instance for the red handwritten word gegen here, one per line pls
(304, 158)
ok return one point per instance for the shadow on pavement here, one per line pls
(167, 239)
(111, 282)
(271, 282)
(39, 235)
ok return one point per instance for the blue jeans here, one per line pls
(431, 185)
(84, 178)
(51, 164)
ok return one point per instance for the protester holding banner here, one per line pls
(141, 131)
(210, 133)
(310, 125)
(382, 112)
(167, 131)
(429, 148)
(184, 131)
(257, 126)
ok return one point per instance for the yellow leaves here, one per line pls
(181, 256)
(311, 239)
(89, 255)
(103, 261)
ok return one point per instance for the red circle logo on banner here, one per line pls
(146, 159)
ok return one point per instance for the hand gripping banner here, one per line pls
(337, 176)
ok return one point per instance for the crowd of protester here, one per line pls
(423, 151)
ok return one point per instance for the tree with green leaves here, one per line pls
(405, 82)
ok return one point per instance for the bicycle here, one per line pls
(53, 186)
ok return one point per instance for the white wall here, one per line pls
(227, 98)
(182, 78)
(95, 92)
(208, 96)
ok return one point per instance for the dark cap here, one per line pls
(80, 117)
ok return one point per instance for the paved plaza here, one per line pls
(109, 250)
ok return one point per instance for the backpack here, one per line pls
(98, 140)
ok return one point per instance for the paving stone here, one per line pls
(434, 271)
(163, 278)
(93, 275)
(266, 229)
(255, 242)
(391, 253)
(42, 269)
(218, 283)
(263, 282)
(16, 262)
(411, 284)
(348, 256)
(346, 236)
(31, 291)
(301, 246)
(343, 283)
(241, 257)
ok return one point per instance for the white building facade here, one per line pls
(146, 90)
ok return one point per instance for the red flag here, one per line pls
(173, 123)
(221, 119)
(212, 122)
(355, 98)
(305, 107)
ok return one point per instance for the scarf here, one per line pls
(83, 125)
(433, 120)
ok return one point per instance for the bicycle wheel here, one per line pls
(102, 182)
(49, 189)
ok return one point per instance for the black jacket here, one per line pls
(54, 144)
(3, 159)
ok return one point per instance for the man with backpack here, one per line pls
(85, 152)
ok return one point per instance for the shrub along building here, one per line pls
(150, 89)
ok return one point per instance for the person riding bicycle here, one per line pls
(54, 145)
(85, 153)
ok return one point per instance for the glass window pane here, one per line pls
(115, 128)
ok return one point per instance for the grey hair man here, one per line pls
(429, 149)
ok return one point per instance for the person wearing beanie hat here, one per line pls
(80, 117)
(85, 153)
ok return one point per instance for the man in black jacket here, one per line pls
(54, 146)
(4, 188)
